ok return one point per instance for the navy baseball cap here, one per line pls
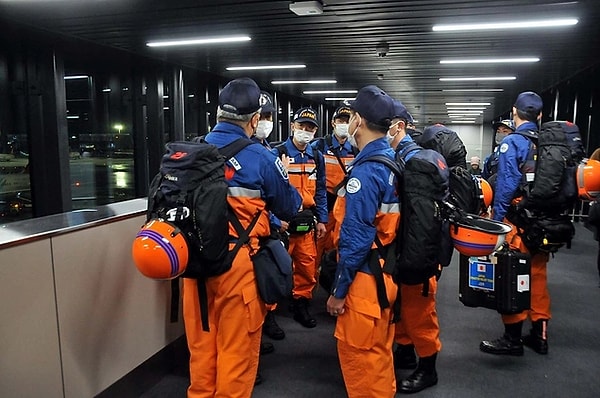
(306, 114)
(342, 110)
(375, 105)
(240, 97)
(529, 102)
(266, 102)
(401, 112)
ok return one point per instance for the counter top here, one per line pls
(20, 232)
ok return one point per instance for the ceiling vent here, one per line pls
(302, 8)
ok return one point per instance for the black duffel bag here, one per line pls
(302, 223)
(273, 271)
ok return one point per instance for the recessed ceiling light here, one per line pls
(198, 41)
(330, 92)
(489, 60)
(459, 79)
(260, 67)
(542, 23)
(304, 82)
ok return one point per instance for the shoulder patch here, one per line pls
(353, 185)
(503, 147)
(281, 168)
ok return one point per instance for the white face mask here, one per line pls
(352, 138)
(303, 137)
(390, 137)
(341, 130)
(499, 137)
(264, 129)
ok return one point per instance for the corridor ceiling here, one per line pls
(344, 43)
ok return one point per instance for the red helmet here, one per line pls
(588, 179)
(476, 236)
(159, 250)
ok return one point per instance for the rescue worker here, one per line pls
(224, 360)
(264, 129)
(515, 150)
(369, 210)
(418, 328)
(501, 130)
(307, 173)
(337, 153)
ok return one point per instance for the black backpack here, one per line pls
(465, 191)
(423, 241)
(445, 141)
(559, 152)
(542, 212)
(190, 191)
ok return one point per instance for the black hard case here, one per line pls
(511, 289)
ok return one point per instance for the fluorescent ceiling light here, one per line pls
(339, 99)
(543, 23)
(304, 82)
(73, 77)
(466, 108)
(468, 104)
(463, 117)
(206, 40)
(458, 79)
(260, 67)
(462, 121)
(465, 112)
(330, 92)
(474, 90)
(489, 60)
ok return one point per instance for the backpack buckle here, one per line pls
(178, 214)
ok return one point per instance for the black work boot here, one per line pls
(537, 339)
(301, 314)
(404, 357)
(266, 347)
(509, 344)
(423, 377)
(271, 328)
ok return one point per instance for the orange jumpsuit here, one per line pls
(364, 332)
(540, 297)
(308, 177)
(334, 175)
(418, 319)
(224, 360)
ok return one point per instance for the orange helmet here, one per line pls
(159, 250)
(487, 194)
(588, 179)
(476, 236)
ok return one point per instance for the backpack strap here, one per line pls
(386, 252)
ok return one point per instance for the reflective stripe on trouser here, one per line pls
(538, 284)
(418, 319)
(303, 251)
(365, 336)
(224, 361)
